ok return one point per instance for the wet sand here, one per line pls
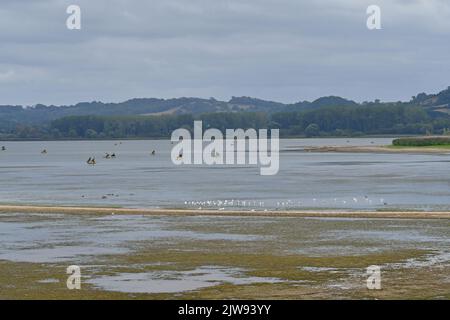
(209, 212)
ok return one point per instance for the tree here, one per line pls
(90, 134)
(312, 130)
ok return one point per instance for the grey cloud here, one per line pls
(285, 50)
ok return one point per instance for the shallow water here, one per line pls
(77, 238)
(137, 179)
(73, 238)
(171, 281)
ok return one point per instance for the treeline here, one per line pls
(360, 120)
(151, 126)
(325, 121)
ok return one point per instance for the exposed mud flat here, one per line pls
(214, 257)
(374, 149)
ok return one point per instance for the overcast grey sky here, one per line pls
(283, 50)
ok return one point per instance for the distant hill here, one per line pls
(11, 116)
(43, 114)
(434, 102)
(252, 104)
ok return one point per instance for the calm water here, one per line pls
(137, 179)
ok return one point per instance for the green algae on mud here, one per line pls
(343, 277)
(310, 258)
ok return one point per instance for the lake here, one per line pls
(138, 179)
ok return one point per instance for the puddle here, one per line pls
(321, 269)
(59, 254)
(434, 259)
(48, 281)
(175, 281)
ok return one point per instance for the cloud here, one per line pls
(285, 50)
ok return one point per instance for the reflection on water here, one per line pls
(137, 179)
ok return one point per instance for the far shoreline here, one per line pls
(65, 139)
(233, 213)
(375, 149)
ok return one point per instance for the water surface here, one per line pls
(305, 180)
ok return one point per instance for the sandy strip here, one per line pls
(374, 149)
(208, 212)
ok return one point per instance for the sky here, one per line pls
(281, 50)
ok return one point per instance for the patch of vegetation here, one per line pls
(422, 142)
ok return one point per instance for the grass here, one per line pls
(441, 147)
(440, 141)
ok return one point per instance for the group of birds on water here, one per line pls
(221, 204)
(44, 151)
(280, 205)
(91, 160)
